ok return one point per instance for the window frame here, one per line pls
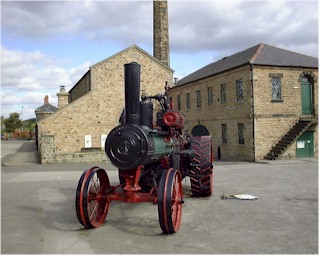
(223, 93)
(198, 98)
(239, 90)
(188, 103)
(210, 96)
(276, 93)
(241, 133)
(224, 134)
(279, 77)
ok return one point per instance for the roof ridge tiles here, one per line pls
(256, 54)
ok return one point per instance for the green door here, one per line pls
(305, 145)
(306, 97)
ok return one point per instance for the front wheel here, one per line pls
(170, 201)
(92, 203)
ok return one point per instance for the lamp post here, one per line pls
(22, 118)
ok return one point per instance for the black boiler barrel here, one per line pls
(146, 117)
(132, 92)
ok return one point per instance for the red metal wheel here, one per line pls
(92, 203)
(78, 196)
(201, 166)
(170, 201)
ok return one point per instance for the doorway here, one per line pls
(306, 96)
(305, 145)
(199, 130)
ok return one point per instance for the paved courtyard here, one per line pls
(38, 212)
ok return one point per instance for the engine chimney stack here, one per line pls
(132, 92)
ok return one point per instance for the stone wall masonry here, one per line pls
(272, 118)
(81, 88)
(290, 90)
(268, 132)
(41, 116)
(213, 116)
(47, 149)
(87, 157)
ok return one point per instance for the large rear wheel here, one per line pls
(201, 166)
(170, 201)
(92, 203)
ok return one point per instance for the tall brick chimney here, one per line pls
(63, 97)
(161, 32)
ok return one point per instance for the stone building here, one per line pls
(77, 131)
(260, 103)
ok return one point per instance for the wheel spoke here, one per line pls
(93, 207)
(176, 204)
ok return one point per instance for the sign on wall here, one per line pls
(103, 139)
(87, 141)
(300, 144)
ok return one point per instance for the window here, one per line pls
(198, 93)
(179, 102)
(241, 133)
(223, 92)
(224, 133)
(239, 89)
(276, 88)
(210, 96)
(188, 100)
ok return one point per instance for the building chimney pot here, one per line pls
(63, 97)
(46, 99)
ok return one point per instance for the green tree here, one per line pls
(12, 122)
(29, 124)
(2, 124)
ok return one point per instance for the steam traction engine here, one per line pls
(152, 159)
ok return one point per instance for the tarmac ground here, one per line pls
(38, 211)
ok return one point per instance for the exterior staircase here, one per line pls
(290, 136)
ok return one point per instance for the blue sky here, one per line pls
(45, 44)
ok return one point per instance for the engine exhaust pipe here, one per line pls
(132, 92)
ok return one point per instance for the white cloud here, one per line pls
(126, 21)
(40, 19)
(26, 77)
(217, 26)
(30, 70)
(76, 73)
(194, 25)
(200, 32)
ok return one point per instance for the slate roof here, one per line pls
(261, 54)
(46, 108)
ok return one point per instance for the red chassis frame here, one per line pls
(130, 192)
